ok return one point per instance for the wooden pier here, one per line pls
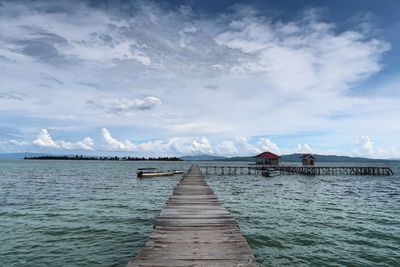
(193, 229)
(312, 170)
(305, 170)
(229, 170)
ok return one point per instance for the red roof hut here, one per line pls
(267, 158)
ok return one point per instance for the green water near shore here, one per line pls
(67, 213)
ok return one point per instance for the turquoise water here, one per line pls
(92, 213)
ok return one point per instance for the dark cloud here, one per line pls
(12, 95)
(211, 87)
(45, 36)
(91, 85)
(154, 39)
(107, 39)
(3, 58)
(51, 78)
(41, 51)
(123, 105)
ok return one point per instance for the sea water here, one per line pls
(97, 213)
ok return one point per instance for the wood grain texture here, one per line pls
(193, 229)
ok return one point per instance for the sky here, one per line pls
(173, 78)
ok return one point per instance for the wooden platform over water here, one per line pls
(193, 229)
(304, 170)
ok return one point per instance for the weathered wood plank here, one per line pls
(194, 263)
(193, 229)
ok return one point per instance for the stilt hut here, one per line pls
(308, 160)
(267, 158)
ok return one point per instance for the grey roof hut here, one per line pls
(308, 159)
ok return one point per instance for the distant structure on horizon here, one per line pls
(267, 158)
(308, 159)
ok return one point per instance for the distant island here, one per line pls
(115, 158)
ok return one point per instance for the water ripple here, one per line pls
(316, 221)
(67, 213)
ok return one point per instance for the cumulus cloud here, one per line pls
(45, 140)
(303, 148)
(243, 145)
(125, 104)
(115, 144)
(266, 144)
(226, 148)
(178, 146)
(86, 144)
(202, 146)
(365, 146)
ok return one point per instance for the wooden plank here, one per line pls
(194, 263)
(193, 229)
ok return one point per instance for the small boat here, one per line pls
(152, 172)
(270, 172)
(177, 172)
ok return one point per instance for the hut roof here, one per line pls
(267, 155)
(305, 156)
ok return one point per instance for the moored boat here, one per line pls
(152, 172)
(270, 172)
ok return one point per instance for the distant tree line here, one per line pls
(115, 158)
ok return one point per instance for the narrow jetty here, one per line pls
(311, 170)
(193, 229)
(305, 170)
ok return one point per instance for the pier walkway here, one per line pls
(193, 229)
(304, 170)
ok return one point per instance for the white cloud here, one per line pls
(121, 50)
(45, 140)
(365, 146)
(17, 143)
(226, 148)
(265, 144)
(86, 144)
(153, 146)
(303, 148)
(201, 146)
(243, 145)
(178, 146)
(239, 146)
(303, 56)
(115, 144)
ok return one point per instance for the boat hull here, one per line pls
(155, 174)
(271, 173)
